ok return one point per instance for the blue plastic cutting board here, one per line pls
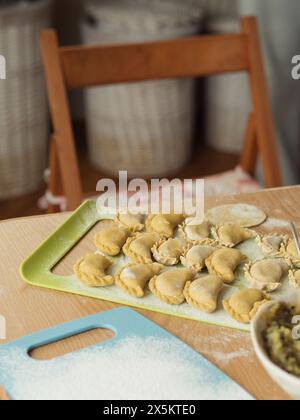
(124, 323)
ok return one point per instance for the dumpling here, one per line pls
(138, 248)
(195, 255)
(169, 286)
(133, 278)
(163, 225)
(203, 293)
(224, 262)
(231, 235)
(270, 244)
(243, 305)
(168, 252)
(195, 232)
(91, 270)
(111, 240)
(294, 277)
(289, 251)
(266, 274)
(133, 222)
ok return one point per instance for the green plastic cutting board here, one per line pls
(37, 271)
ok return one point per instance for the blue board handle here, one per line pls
(120, 321)
(123, 322)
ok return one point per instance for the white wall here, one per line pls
(280, 35)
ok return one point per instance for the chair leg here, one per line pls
(55, 185)
(250, 152)
(61, 119)
(266, 135)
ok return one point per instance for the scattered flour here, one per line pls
(133, 368)
(223, 337)
(215, 347)
(225, 359)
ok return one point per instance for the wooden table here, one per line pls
(28, 309)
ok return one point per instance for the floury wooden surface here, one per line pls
(28, 309)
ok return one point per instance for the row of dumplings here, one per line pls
(172, 287)
(195, 250)
(152, 250)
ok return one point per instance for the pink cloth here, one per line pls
(232, 182)
(236, 181)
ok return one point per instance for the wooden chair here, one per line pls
(88, 66)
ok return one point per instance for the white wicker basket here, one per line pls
(23, 105)
(227, 102)
(144, 128)
(218, 8)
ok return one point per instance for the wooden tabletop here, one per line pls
(29, 309)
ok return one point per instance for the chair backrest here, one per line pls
(185, 57)
(87, 66)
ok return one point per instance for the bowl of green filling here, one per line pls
(276, 338)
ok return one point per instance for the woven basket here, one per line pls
(23, 105)
(218, 8)
(144, 128)
(227, 102)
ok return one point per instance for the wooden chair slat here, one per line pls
(187, 57)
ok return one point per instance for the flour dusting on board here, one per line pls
(120, 371)
(224, 359)
(215, 346)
